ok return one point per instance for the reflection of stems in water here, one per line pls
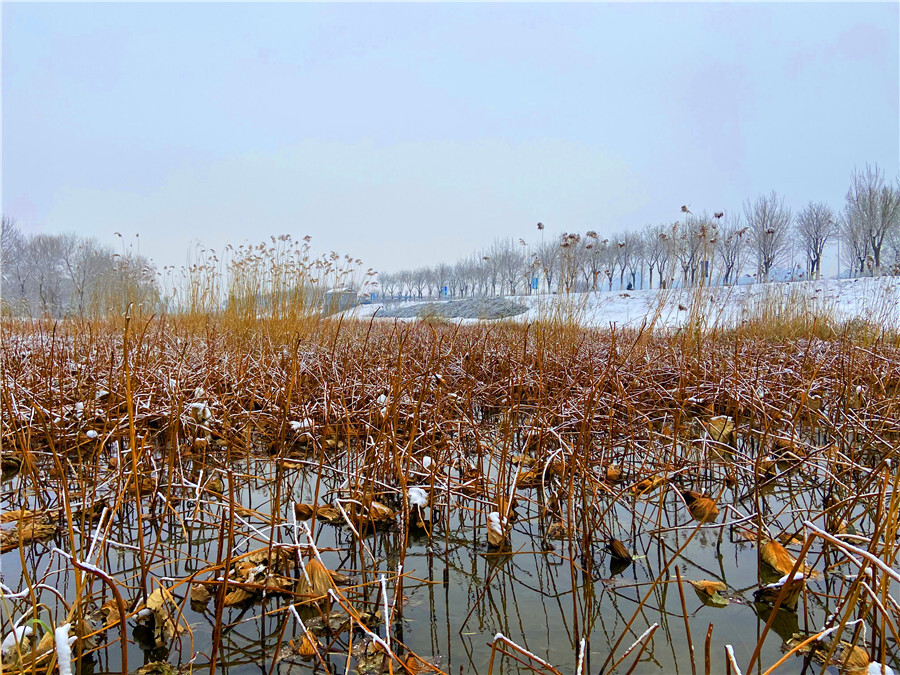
(132, 438)
(647, 595)
(643, 640)
(499, 638)
(120, 604)
(782, 594)
(687, 624)
(223, 588)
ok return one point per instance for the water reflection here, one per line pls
(456, 593)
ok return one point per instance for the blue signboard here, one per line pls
(534, 283)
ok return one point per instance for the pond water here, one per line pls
(545, 595)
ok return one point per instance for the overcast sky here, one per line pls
(410, 134)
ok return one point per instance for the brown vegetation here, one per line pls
(527, 435)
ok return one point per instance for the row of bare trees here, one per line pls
(67, 275)
(869, 223)
(59, 275)
(762, 242)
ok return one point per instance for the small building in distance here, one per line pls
(338, 299)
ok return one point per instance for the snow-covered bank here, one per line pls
(874, 299)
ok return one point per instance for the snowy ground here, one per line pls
(875, 300)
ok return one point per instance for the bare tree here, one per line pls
(548, 257)
(482, 274)
(508, 259)
(854, 236)
(732, 248)
(45, 256)
(706, 231)
(699, 249)
(815, 225)
(768, 220)
(405, 283)
(657, 246)
(528, 269)
(634, 257)
(892, 259)
(11, 241)
(609, 261)
(569, 261)
(388, 282)
(16, 272)
(56, 275)
(691, 245)
(419, 281)
(446, 278)
(876, 206)
(84, 261)
(595, 253)
(130, 279)
(585, 259)
(462, 274)
(621, 253)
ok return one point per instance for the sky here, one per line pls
(412, 134)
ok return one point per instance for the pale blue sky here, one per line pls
(407, 134)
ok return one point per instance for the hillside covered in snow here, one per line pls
(872, 299)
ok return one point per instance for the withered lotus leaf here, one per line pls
(317, 580)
